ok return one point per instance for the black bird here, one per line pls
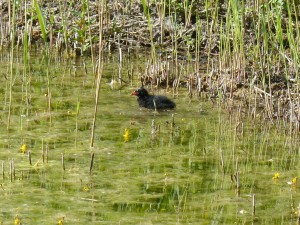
(157, 102)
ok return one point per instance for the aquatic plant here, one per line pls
(276, 176)
(127, 135)
(23, 148)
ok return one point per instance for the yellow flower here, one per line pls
(294, 181)
(276, 176)
(85, 189)
(23, 148)
(61, 221)
(127, 135)
(17, 220)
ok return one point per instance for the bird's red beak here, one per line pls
(134, 93)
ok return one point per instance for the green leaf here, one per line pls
(144, 2)
(41, 20)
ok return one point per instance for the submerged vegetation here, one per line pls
(225, 49)
(76, 149)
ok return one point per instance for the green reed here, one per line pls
(26, 44)
(293, 40)
(43, 26)
(25, 37)
(161, 8)
(146, 11)
(64, 25)
(222, 37)
(41, 20)
(46, 55)
(187, 11)
(90, 37)
(12, 29)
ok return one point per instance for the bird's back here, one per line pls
(146, 101)
(158, 102)
(162, 102)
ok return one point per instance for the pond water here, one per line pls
(197, 164)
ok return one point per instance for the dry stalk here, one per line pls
(11, 165)
(2, 169)
(100, 68)
(253, 204)
(92, 162)
(237, 177)
(29, 158)
(222, 160)
(63, 161)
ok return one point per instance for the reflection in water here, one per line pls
(170, 167)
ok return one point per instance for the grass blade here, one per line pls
(41, 20)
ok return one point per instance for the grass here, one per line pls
(236, 42)
(41, 20)
(12, 29)
(242, 56)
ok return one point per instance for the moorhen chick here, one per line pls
(157, 102)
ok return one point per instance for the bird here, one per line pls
(156, 102)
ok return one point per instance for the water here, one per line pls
(161, 174)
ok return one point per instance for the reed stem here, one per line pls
(100, 69)
(92, 162)
(63, 161)
(29, 158)
(2, 169)
(253, 204)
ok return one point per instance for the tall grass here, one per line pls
(46, 54)
(100, 68)
(62, 8)
(227, 47)
(41, 20)
(146, 11)
(91, 37)
(187, 5)
(12, 30)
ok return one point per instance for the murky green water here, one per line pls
(162, 173)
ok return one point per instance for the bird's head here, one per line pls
(142, 92)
